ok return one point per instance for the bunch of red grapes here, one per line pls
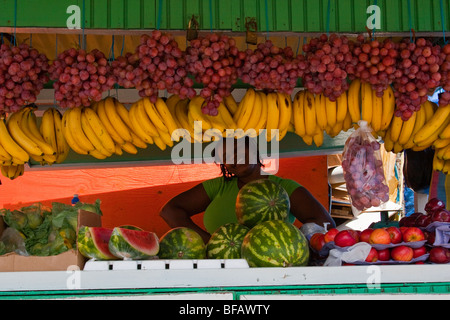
(214, 60)
(418, 75)
(23, 73)
(270, 67)
(80, 77)
(161, 66)
(444, 97)
(374, 62)
(127, 72)
(327, 59)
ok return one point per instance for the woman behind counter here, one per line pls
(217, 197)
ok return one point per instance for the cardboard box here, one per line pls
(61, 262)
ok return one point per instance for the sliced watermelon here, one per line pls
(133, 244)
(93, 243)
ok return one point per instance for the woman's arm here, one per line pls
(306, 208)
(177, 212)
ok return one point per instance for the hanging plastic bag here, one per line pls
(363, 169)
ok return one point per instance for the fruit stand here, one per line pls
(117, 86)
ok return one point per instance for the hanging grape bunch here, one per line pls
(444, 97)
(419, 75)
(80, 77)
(213, 60)
(164, 67)
(327, 59)
(374, 62)
(270, 67)
(23, 73)
(127, 72)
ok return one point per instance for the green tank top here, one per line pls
(223, 196)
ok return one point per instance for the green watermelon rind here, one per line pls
(181, 243)
(262, 200)
(226, 242)
(275, 243)
(122, 249)
(87, 247)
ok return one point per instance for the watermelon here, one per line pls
(182, 243)
(261, 200)
(133, 244)
(131, 227)
(93, 243)
(275, 243)
(226, 242)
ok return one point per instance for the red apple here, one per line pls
(407, 221)
(413, 234)
(317, 241)
(402, 253)
(395, 234)
(423, 220)
(380, 236)
(430, 236)
(345, 238)
(439, 255)
(434, 204)
(372, 256)
(329, 236)
(440, 215)
(417, 252)
(365, 235)
(356, 234)
(384, 254)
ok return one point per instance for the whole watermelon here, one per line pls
(226, 242)
(181, 243)
(275, 243)
(261, 200)
(133, 244)
(93, 243)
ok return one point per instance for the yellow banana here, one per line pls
(396, 128)
(318, 137)
(446, 168)
(102, 115)
(99, 129)
(138, 142)
(430, 109)
(273, 115)
(181, 113)
(124, 114)
(231, 104)
(366, 102)
(154, 115)
(47, 128)
(159, 143)
(420, 121)
(388, 108)
(438, 164)
(130, 148)
(432, 125)
(321, 111)
(285, 104)
(388, 143)
(299, 115)
(432, 137)
(255, 115)
(61, 143)
(93, 138)
(441, 143)
(118, 150)
(246, 105)
(4, 155)
(16, 132)
(310, 114)
(227, 116)
(445, 134)
(336, 129)
(397, 147)
(166, 115)
(377, 111)
(440, 152)
(68, 134)
(331, 109)
(114, 118)
(407, 129)
(171, 102)
(307, 139)
(261, 124)
(195, 110)
(34, 134)
(141, 122)
(97, 154)
(354, 100)
(342, 107)
(347, 123)
(74, 122)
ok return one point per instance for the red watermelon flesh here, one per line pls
(133, 244)
(93, 243)
(101, 237)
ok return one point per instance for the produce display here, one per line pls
(418, 238)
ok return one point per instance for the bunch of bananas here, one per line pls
(22, 139)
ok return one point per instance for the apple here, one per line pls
(413, 234)
(380, 236)
(402, 253)
(372, 256)
(317, 241)
(433, 205)
(423, 220)
(407, 222)
(384, 254)
(441, 215)
(430, 236)
(356, 234)
(329, 236)
(365, 235)
(439, 255)
(395, 234)
(417, 252)
(345, 238)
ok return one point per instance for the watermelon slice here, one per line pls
(133, 244)
(93, 243)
